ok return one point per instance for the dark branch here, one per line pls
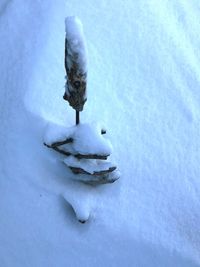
(60, 143)
(59, 150)
(78, 156)
(103, 131)
(82, 171)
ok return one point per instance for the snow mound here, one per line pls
(82, 198)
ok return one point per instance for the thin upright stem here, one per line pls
(77, 117)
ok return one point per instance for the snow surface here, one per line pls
(144, 78)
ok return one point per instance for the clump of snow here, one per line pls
(87, 138)
(76, 41)
(56, 133)
(82, 198)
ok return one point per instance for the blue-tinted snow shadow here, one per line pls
(111, 248)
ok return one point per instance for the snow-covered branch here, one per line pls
(75, 63)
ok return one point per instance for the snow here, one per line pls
(144, 75)
(83, 199)
(87, 138)
(76, 40)
(57, 133)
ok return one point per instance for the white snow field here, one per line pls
(143, 84)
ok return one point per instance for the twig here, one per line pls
(60, 143)
(58, 150)
(78, 156)
(82, 171)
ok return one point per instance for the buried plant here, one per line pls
(84, 146)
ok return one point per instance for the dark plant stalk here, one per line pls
(77, 117)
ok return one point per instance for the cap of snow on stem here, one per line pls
(75, 63)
